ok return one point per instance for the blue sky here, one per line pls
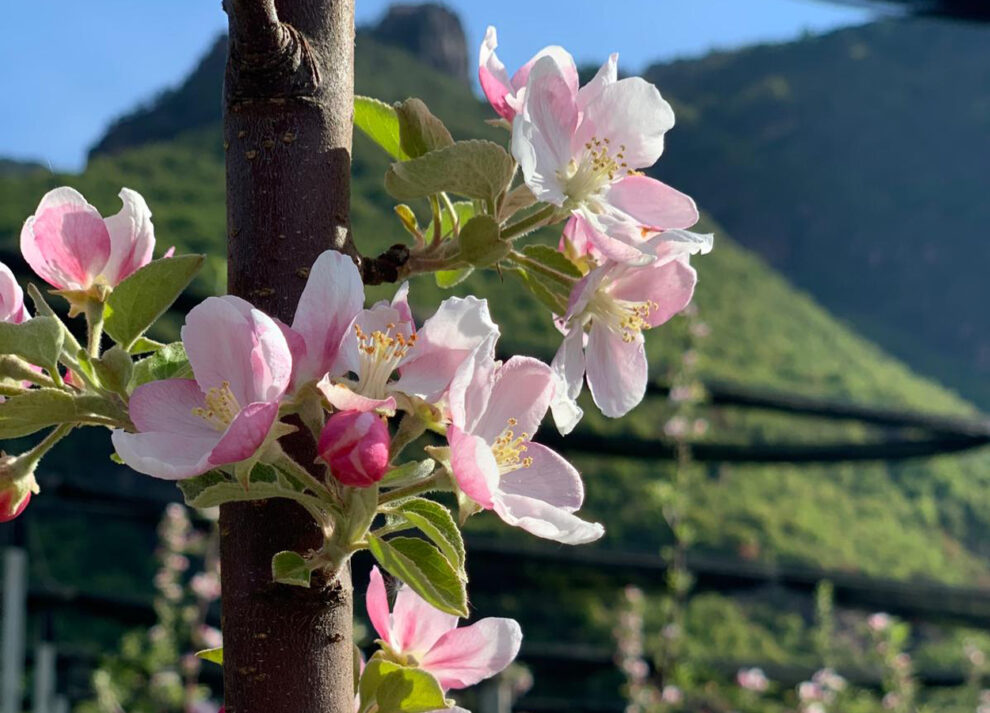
(72, 66)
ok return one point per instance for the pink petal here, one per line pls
(606, 75)
(171, 456)
(245, 434)
(416, 625)
(545, 520)
(12, 307)
(463, 657)
(132, 237)
(471, 386)
(550, 478)
(450, 336)
(400, 302)
(564, 62)
(615, 236)
(344, 399)
(227, 340)
(333, 295)
(653, 205)
(493, 77)
(376, 602)
(473, 465)
(168, 405)
(568, 367)
(382, 317)
(631, 114)
(617, 370)
(522, 390)
(669, 286)
(66, 242)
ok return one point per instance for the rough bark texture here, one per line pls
(288, 103)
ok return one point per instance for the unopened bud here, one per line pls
(355, 445)
(17, 484)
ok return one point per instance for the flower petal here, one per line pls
(132, 237)
(416, 625)
(66, 241)
(652, 204)
(376, 602)
(12, 307)
(493, 77)
(549, 478)
(245, 434)
(547, 521)
(521, 391)
(344, 399)
(333, 295)
(168, 405)
(617, 371)
(171, 456)
(606, 75)
(473, 465)
(463, 657)
(568, 368)
(669, 286)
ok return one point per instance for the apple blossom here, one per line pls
(69, 245)
(603, 329)
(12, 307)
(495, 411)
(505, 94)
(383, 340)
(185, 427)
(752, 679)
(416, 633)
(355, 446)
(13, 501)
(581, 150)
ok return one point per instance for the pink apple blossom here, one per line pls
(12, 307)
(495, 411)
(582, 150)
(417, 633)
(186, 427)
(69, 245)
(505, 94)
(383, 340)
(13, 501)
(355, 446)
(603, 328)
(752, 679)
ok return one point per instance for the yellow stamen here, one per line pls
(221, 407)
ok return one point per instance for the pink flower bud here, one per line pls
(355, 445)
(11, 503)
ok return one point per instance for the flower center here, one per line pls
(221, 407)
(621, 316)
(508, 449)
(585, 177)
(380, 354)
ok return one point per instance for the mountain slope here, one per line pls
(855, 163)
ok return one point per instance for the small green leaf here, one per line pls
(479, 242)
(43, 309)
(547, 292)
(215, 488)
(145, 346)
(419, 130)
(114, 369)
(169, 362)
(451, 278)
(435, 521)
(371, 678)
(142, 298)
(290, 568)
(38, 341)
(409, 690)
(465, 211)
(475, 169)
(552, 259)
(379, 122)
(212, 655)
(421, 565)
(408, 473)
(39, 408)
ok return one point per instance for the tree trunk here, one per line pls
(288, 111)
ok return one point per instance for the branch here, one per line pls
(268, 58)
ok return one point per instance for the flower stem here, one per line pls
(94, 325)
(406, 491)
(35, 455)
(529, 223)
(296, 471)
(530, 264)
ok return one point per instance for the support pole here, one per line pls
(288, 113)
(14, 618)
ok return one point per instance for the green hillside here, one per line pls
(923, 519)
(856, 164)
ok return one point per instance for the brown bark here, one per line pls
(288, 103)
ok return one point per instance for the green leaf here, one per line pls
(550, 278)
(421, 565)
(553, 259)
(290, 568)
(479, 242)
(408, 473)
(142, 298)
(43, 309)
(145, 346)
(550, 295)
(451, 278)
(169, 362)
(436, 522)
(39, 408)
(215, 488)
(379, 122)
(38, 341)
(371, 678)
(517, 199)
(409, 690)
(465, 211)
(114, 369)
(475, 169)
(419, 130)
(212, 655)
